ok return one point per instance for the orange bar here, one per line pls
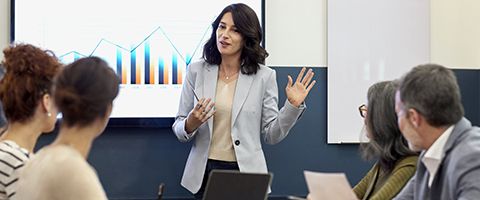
(124, 73)
(165, 75)
(179, 75)
(137, 74)
(152, 72)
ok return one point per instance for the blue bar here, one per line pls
(147, 62)
(174, 69)
(119, 63)
(189, 59)
(160, 71)
(133, 63)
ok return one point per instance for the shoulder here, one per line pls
(265, 71)
(47, 170)
(462, 156)
(12, 155)
(466, 147)
(467, 143)
(197, 69)
(199, 65)
(407, 161)
(406, 166)
(60, 160)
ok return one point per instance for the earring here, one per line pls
(49, 114)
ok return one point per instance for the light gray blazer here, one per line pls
(254, 114)
(458, 176)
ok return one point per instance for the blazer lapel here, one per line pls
(209, 88)
(244, 83)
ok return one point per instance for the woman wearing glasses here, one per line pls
(396, 162)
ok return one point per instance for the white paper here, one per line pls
(328, 186)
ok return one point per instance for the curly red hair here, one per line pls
(30, 72)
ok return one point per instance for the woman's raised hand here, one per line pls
(297, 91)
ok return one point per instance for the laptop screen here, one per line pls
(235, 185)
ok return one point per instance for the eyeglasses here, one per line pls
(363, 110)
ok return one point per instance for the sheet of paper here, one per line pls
(328, 186)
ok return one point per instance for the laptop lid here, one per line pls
(235, 185)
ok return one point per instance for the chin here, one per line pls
(414, 147)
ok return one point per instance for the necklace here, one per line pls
(228, 76)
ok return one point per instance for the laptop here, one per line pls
(235, 185)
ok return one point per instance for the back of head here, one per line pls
(248, 25)
(386, 142)
(85, 90)
(30, 72)
(432, 90)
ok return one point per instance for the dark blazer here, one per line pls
(458, 176)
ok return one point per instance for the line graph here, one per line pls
(149, 44)
(143, 63)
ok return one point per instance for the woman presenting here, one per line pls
(230, 100)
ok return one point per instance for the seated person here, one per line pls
(396, 162)
(83, 93)
(430, 115)
(25, 92)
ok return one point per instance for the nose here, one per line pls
(226, 33)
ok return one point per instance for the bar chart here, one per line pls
(149, 44)
(156, 60)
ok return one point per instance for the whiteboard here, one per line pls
(369, 41)
(296, 33)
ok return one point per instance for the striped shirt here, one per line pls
(12, 158)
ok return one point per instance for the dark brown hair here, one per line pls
(247, 24)
(30, 72)
(84, 91)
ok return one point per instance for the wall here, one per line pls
(455, 40)
(4, 25)
(296, 32)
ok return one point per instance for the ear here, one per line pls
(47, 103)
(103, 121)
(105, 118)
(109, 111)
(414, 117)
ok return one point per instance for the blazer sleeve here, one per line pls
(184, 108)
(276, 124)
